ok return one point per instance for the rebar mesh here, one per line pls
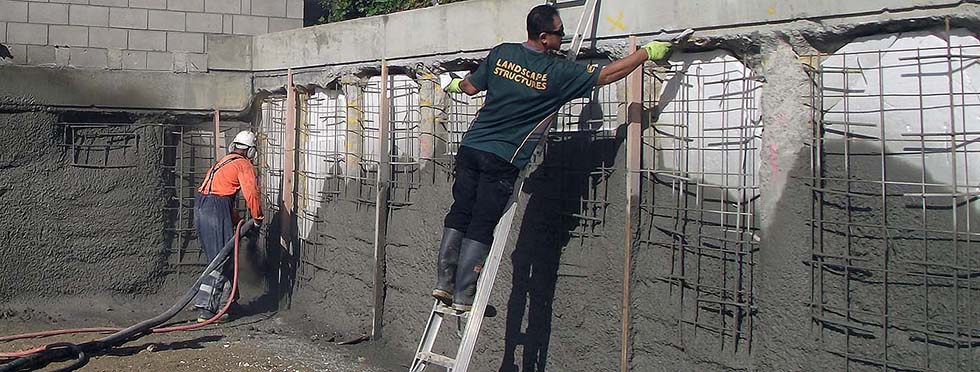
(894, 269)
(99, 145)
(271, 131)
(699, 185)
(190, 155)
(405, 145)
(576, 161)
(598, 112)
(462, 111)
(187, 152)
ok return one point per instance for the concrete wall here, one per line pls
(159, 35)
(100, 233)
(480, 24)
(559, 298)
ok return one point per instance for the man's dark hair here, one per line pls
(541, 19)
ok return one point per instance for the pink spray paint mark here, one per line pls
(773, 162)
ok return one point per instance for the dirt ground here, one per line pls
(259, 342)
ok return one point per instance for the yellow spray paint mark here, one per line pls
(772, 11)
(617, 23)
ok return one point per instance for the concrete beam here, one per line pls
(438, 29)
(227, 91)
(620, 18)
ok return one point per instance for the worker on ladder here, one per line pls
(525, 83)
(215, 216)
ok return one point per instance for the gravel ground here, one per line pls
(260, 342)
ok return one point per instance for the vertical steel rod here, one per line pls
(381, 206)
(956, 189)
(217, 134)
(884, 209)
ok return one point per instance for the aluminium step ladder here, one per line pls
(473, 319)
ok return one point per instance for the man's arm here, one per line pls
(475, 82)
(250, 190)
(653, 51)
(462, 86)
(468, 87)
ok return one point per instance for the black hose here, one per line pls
(138, 329)
(55, 351)
(81, 359)
(146, 325)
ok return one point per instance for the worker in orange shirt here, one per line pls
(215, 216)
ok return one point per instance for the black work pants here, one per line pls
(484, 183)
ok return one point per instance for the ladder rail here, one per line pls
(428, 339)
(485, 284)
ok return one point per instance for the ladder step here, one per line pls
(443, 309)
(437, 359)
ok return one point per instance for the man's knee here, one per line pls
(481, 227)
(459, 223)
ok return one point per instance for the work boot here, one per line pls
(203, 315)
(472, 256)
(446, 269)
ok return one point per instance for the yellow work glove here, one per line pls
(453, 86)
(657, 50)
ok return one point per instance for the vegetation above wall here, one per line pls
(341, 10)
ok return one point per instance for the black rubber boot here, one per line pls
(446, 269)
(472, 256)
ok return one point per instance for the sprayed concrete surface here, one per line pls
(72, 230)
(557, 298)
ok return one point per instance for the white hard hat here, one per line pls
(244, 139)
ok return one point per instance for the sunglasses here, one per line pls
(560, 32)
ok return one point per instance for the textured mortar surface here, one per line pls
(551, 289)
(581, 321)
(558, 299)
(73, 230)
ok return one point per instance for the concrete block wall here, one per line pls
(161, 35)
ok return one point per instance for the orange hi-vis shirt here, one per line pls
(234, 172)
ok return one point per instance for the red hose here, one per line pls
(234, 289)
(57, 332)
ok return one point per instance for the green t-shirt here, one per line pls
(523, 88)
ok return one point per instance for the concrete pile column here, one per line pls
(783, 276)
(354, 90)
(432, 114)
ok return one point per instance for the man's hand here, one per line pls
(657, 50)
(453, 86)
(452, 83)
